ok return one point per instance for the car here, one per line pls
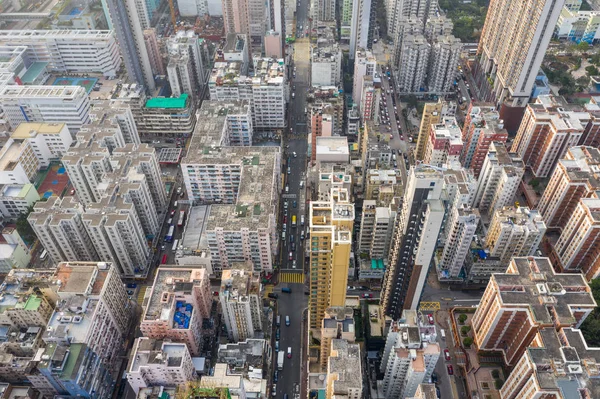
(215, 293)
(291, 238)
(291, 255)
(367, 295)
(391, 137)
(284, 219)
(129, 292)
(162, 248)
(293, 248)
(72, 192)
(294, 204)
(294, 264)
(272, 295)
(276, 376)
(447, 354)
(450, 369)
(294, 154)
(131, 285)
(289, 352)
(173, 213)
(285, 204)
(277, 334)
(287, 321)
(431, 320)
(434, 377)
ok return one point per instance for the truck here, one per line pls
(280, 356)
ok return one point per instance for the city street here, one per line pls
(291, 271)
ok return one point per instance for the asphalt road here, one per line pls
(294, 303)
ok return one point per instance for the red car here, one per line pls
(285, 219)
(367, 295)
(447, 354)
(173, 212)
(431, 321)
(450, 369)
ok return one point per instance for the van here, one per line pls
(175, 204)
(289, 352)
(287, 189)
(278, 320)
(301, 220)
(287, 321)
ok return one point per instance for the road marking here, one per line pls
(291, 278)
(288, 196)
(428, 306)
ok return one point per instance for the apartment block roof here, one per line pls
(149, 351)
(552, 297)
(29, 129)
(347, 366)
(237, 284)
(268, 71)
(167, 282)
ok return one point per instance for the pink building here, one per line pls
(273, 45)
(445, 143)
(175, 306)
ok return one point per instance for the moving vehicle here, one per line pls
(280, 359)
(276, 376)
(291, 255)
(430, 318)
(174, 247)
(286, 290)
(164, 259)
(169, 236)
(447, 355)
(287, 321)
(283, 235)
(443, 333)
(294, 264)
(181, 218)
(274, 391)
(277, 334)
(450, 369)
(301, 220)
(276, 346)
(273, 295)
(289, 352)
(293, 95)
(294, 221)
(278, 320)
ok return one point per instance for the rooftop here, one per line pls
(346, 365)
(167, 102)
(268, 71)
(148, 351)
(29, 129)
(551, 297)
(249, 354)
(160, 304)
(237, 284)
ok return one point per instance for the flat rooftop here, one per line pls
(536, 285)
(347, 365)
(29, 129)
(268, 71)
(167, 102)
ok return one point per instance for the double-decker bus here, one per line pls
(169, 236)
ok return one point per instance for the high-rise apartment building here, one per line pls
(69, 50)
(406, 28)
(414, 60)
(575, 177)
(129, 19)
(58, 225)
(50, 104)
(87, 328)
(266, 90)
(326, 59)
(425, 391)
(344, 371)
(409, 357)
(365, 65)
(329, 246)
(156, 362)
(482, 127)
(499, 180)
(338, 323)
(443, 61)
(113, 124)
(153, 49)
(376, 229)
(528, 297)
(397, 9)
(189, 61)
(363, 25)
(462, 222)
(181, 77)
(438, 25)
(241, 302)
(369, 99)
(444, 144)
(416, 232)
(512, 65)
(546, 132)
(325, 10)
(432, 114)
(577, 247)
(174, 307)
(382, 185)
(514, 232)
(556, 361)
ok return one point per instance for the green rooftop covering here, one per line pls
(167, 102)
(33, 302)
(377, 264)
(33, 72)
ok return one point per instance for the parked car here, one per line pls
(447, 354)
(450, 369)
(367, 295)
(430, 318)
(272, 295)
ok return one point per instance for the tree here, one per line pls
(583, 46)
(583, 81)
(24, 228)
(467, 342)
(591, 326)
(495, 374)
(462, 318)
(591, 70)
(464, 330)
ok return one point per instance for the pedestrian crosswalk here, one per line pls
(291, 278)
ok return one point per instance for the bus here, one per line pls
(293, 220)
(164, 259)
(175, 245)
(181, 216)
(169, 236)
